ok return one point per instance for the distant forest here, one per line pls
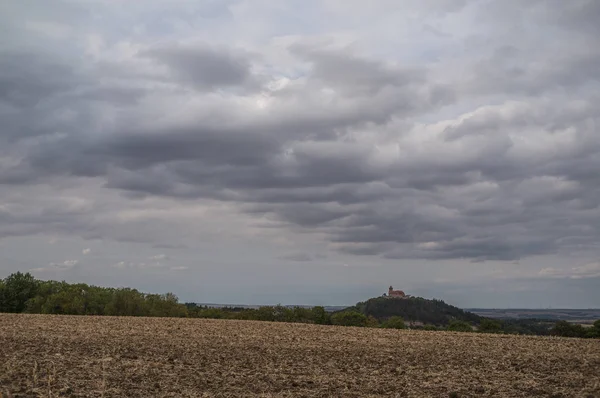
(22, 293)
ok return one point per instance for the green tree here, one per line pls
(303, 315)
(44, 290)
(164, 305)
(2, 293)
(372, 322)
(459, 326)
(283, 314)
(566, 329)
(96, 299)
(594, 331)
(320, 316)
(17, 289)
(126, 302)
(349, 318)
(395, 322)
(490, 326)
(265, 313)
(213, 313)
(68, 301)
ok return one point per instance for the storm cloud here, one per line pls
(472, 136)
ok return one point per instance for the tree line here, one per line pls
(22, 293)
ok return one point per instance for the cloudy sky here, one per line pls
(305, 152)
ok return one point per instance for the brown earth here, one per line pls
(69, 356)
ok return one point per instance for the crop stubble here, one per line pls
(43, 355)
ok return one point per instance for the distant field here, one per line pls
(70, 356)
(583, 316)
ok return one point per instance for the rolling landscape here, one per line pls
(299, 198)
(75, 340)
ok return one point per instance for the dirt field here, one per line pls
(53, 356)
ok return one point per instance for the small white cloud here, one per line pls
(149, 265)
(86, 251)
(179, 268)
(65, 265)
(549, 271)
(141, 265)
(429, 245)
(159, 257)
(591, 270)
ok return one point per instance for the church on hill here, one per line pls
(396, 293)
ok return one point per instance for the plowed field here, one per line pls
(53, 356)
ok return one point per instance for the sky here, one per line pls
(305, 152)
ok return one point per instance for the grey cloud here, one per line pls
(300, 257)
(519, 74)
(301, 214)
(578, 15)
(46, 98)
(395, 219)
(471, 225)
(337, 151)
(203, 66)
(168, 246)
(517, 60)
(303, 257)
(28, 78)
(364, 249)
(422, 7)
(480, 249)
(159, 257)
(353, 74)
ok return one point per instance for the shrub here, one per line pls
(459, 326)
(213, 313)
(349, 318)
(320, 316)
(394, 322)
(566, 329)
(592, 333)
(372, 322)
(490, 326)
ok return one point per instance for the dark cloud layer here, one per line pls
(356, 149)
(202, 66)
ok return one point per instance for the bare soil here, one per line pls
(68, 356)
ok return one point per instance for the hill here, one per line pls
(415, 309)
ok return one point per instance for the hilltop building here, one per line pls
(396, 293)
